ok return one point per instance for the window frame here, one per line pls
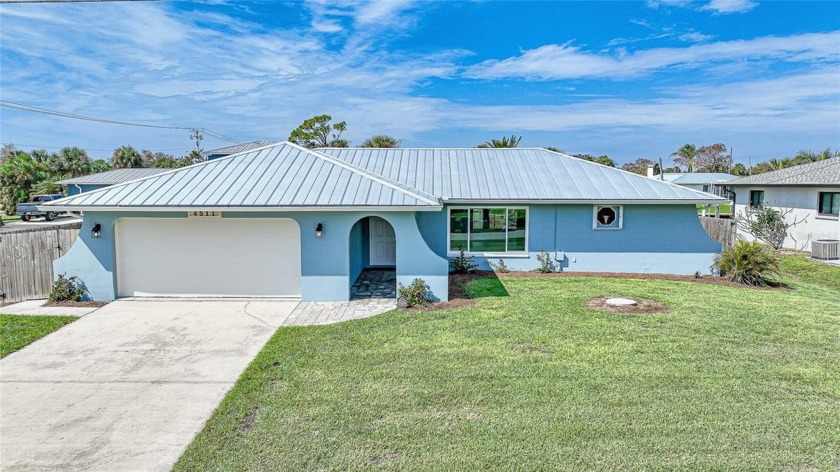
(751, 198)
(469, 209)
(820, 201)
(595, 226)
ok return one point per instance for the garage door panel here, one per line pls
(208, 257)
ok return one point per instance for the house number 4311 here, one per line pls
(205, 214)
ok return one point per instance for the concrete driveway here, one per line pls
(128, 386)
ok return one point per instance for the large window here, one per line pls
(493, 230)
(829, 204)
(756, 198)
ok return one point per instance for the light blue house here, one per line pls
(284, 221)
(86, 183)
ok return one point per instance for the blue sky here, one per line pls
(627, 79)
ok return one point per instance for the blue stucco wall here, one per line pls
(76, 189)
(326, 264)
(359, 248)
(655, 239)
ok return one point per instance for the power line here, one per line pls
(45, 111)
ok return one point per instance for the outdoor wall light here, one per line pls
(319, 230)
(96, 231)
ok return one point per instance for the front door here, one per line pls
(383, 243)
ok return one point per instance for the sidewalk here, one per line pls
(36, 307)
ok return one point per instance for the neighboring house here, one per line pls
(811, 191)
(90, 182)
(709, 182)
(293, 222)
(235, 149)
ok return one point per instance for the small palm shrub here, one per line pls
(68, 289)
(463, 264)
(747, 263)
(500, 266)
(547, 264)
(417, 293)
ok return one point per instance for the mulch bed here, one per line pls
(71, 303)
(644, 306)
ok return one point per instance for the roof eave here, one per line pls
(593, 201)
(236, 209)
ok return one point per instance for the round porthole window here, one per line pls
(606, 216)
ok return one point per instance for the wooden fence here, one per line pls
(26, 257)
(722, 230)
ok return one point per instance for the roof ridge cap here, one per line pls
(380, 179)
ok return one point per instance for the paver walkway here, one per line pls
(375, 283)
(321, 313)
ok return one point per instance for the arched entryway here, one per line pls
(373, 259)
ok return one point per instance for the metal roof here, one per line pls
(514, 174)
(111, 177)
(697, 178)
(237, 148)
(280, 176)
(820, 173)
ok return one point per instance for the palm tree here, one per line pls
(73, 161)
(686, 156)
(381, 141)
(505, 142)
(126, 156)
(782, 163)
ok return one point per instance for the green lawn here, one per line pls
(16, 331)
(724, 209)
(804, 269)
(9, 218)
(530, 379)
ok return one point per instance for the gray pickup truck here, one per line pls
(28, 210)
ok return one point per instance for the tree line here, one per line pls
(24, 174)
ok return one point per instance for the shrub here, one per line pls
(769, 225)
(68, 289)
(747, 263)
(415, 294)
(547, 264)
(500, 266)
(463, 263)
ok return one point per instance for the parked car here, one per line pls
(28, 210)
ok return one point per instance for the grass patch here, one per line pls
(802, 268)
(9, 218)
(17, 331)
(528, 377)
(725, 209)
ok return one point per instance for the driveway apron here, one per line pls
(128, 386)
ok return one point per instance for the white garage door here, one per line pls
(208, 257)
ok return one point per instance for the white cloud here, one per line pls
(261, 82)
(564, 61)
(729, 6)
(695, 37)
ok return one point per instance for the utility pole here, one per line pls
(749, 160)
(661, 170)
(195, 155)
(196, 135)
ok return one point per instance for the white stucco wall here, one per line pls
(803, 201)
